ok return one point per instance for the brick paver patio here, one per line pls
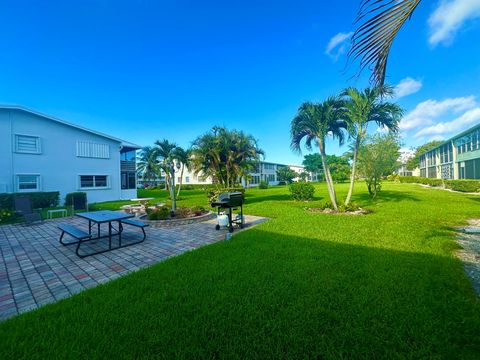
(36, 270)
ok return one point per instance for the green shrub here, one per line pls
(463, 185)
(69, 197)
(39, 199)
(6, 201)
(327, 204)
(214, 192)
(282, 183)
(348, 208)
(160, 213)
(393, 177)
(263, 185)
(302, 191)
(6, 215)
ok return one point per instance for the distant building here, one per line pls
(456, 158)
(263, 171)
(405, 155)
(43, 153)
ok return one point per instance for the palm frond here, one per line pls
(371, 42)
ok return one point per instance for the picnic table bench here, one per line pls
(101, 217)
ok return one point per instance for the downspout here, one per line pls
(12, 144)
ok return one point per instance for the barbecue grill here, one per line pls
(230, 201)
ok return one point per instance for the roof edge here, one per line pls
(37, 113)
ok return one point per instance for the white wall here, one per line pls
(58, 166)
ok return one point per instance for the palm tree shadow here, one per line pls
(251, 199)
(386, 196)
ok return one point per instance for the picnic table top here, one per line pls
(104, 216)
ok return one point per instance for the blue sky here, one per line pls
(147, 70)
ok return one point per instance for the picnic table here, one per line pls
(101, 217)
(142, 201)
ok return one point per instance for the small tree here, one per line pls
(378, 157)
(414, 161)
(286, 174)
(304, 176)
(339, 167)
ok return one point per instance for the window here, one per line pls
(27, 144)
(128, 155)
(93, 181)
(271, 177)
(129, 180)
(93, 150)
(28, 182)
(187, 179)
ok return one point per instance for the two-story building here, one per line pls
(43, 153)
(456, 158)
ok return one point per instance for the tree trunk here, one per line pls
(167, 182)
(328, 177)
(181, 180)
(354, 167)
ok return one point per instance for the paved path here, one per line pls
(469, 240)
(36, 270)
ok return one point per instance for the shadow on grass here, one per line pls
(264, 295)
(386, 196)
(251, 199)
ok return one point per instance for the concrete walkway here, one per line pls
(36, 270)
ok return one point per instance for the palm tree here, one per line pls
(147, 165)
(371, 42)
(362, 108)
(314, 122)
(183, 157)
(225, 155)
(165, 152)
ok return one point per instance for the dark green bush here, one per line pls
(282, 183)
(161, 213)
(463, 185)
(6, 215)
(214, 192)
(302, 191)
(69, 197)
(39, 199)
(263, 185)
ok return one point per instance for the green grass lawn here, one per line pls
(384, 285)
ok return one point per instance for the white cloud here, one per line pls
(427, 111)
(449, 17)
(407, 86)
(338, 45)
(459, 124)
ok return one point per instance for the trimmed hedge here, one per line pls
(456, 185)
(422, 180)
(463, 185)
(69, 197)
(39, 199)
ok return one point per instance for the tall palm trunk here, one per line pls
(181, 180)
(354, 168)
(328, 176)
